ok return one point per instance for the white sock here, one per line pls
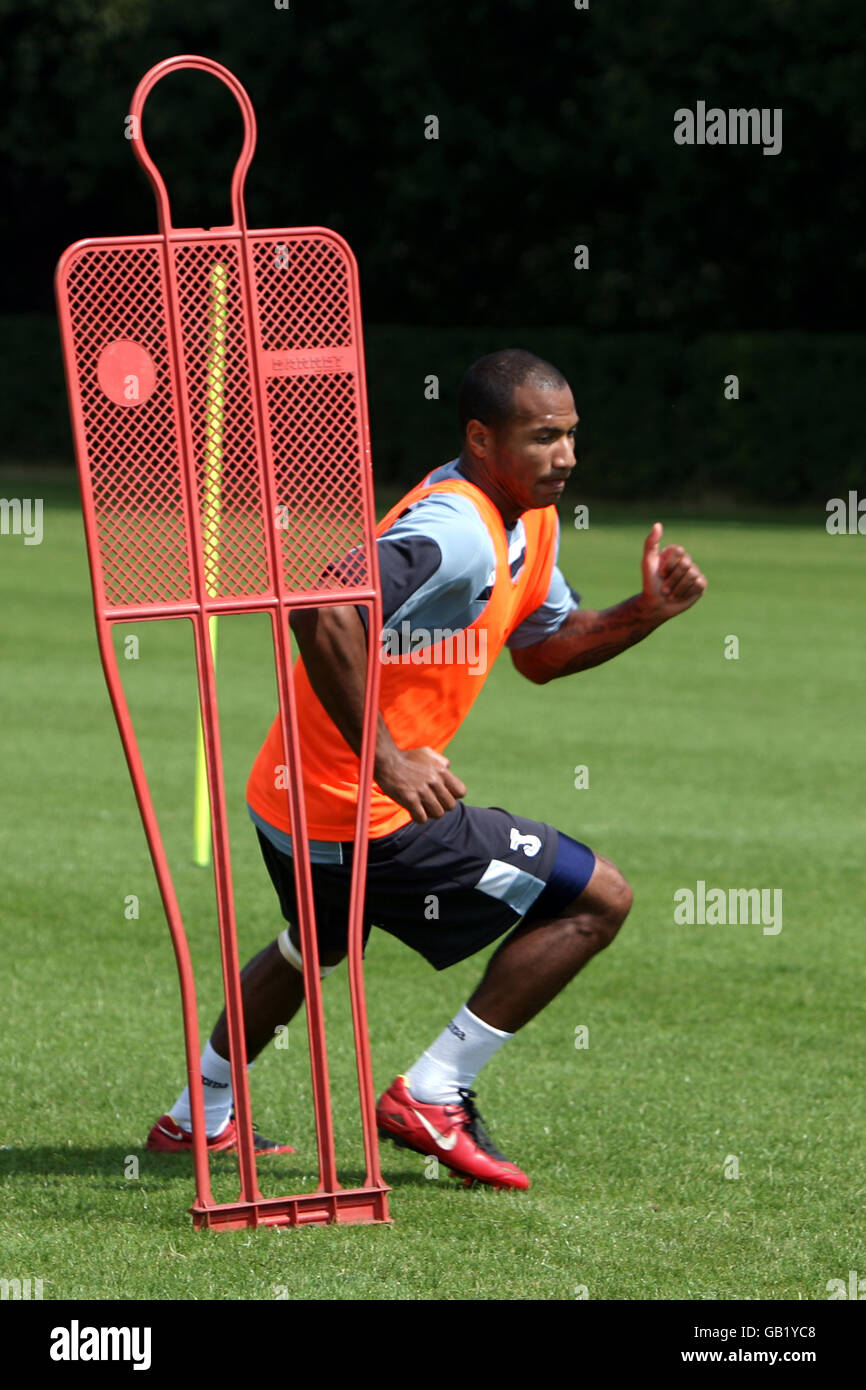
(454, 1060)
(216, 1074)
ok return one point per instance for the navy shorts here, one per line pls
(447, 888)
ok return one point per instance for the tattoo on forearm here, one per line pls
(574, 649)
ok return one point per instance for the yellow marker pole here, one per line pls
(210, 528)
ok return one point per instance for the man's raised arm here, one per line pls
(672, 582)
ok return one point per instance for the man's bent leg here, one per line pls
(540, 958)
(431, 1109)
(531, 966)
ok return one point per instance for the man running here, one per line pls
(467, 564)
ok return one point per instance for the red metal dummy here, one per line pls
(218, 401)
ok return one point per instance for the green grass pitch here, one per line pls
(712, 1050)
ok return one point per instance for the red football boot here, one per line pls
(168, 1137)
(452, 1133)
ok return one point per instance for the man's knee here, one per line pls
(606, 899)
(617, 894)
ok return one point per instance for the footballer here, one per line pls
(471, 550)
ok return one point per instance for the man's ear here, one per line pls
(478, 436)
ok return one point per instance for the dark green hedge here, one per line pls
(654, 418)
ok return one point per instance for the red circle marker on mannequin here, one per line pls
(126, 373)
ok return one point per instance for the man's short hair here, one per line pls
(486, 392)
